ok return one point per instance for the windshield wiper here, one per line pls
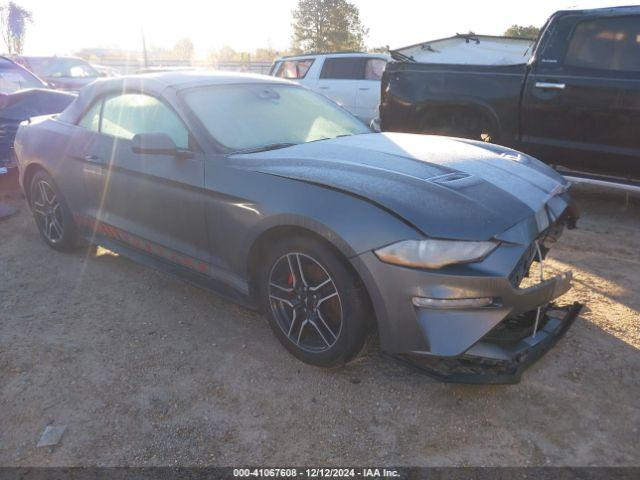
(266, 148)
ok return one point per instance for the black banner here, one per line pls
(193, 473)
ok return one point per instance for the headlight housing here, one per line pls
(432, 253)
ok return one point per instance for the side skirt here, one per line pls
(179, 272)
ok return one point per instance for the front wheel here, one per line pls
(315, 304)
(51, 213)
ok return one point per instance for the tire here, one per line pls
(336, 327)
(52, 215)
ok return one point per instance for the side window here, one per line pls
(81, 70)
(295, 69)
(606, 44)
(345, 68)
(126, 115)
(58, 68)
(374, 69)
(91, 119)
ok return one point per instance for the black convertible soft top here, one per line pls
(156, 83)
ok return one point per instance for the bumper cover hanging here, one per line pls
(499, 358)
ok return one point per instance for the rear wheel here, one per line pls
(51, 213)
(460, 122)
(314, 303)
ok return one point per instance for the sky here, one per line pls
(62, 27)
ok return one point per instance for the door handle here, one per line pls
(92, 158)
(550, 86)
(364, 89)
(324, 88)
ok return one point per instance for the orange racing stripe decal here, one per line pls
(139, 243)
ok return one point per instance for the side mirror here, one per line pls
(157, 144)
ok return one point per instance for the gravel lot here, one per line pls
(146, 370)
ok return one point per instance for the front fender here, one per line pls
(351, 224)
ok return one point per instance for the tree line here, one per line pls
(13, 22)
(318, 26)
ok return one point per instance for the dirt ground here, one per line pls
(146, 370)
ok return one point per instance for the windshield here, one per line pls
(245, 117)
(13, 79)
(61, 67)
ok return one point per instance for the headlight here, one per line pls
(434, 253)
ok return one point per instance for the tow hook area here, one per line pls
(503, 354)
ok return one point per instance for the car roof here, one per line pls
(182, 79)
(7, 60)
(156, 83)
(620, 10)
(333, 54)
(51, 57)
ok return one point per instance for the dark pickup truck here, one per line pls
(575, 104)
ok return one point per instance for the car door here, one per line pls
(368, 94)
(581, 106)
(150, 202)
(340, 79)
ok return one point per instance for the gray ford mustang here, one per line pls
(270, 194)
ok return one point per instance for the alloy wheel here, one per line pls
(47, 210)
(305, 302)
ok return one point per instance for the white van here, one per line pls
(350, 79)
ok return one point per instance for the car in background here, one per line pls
(351, 79)
(105, 71)
(22, 96)
(61, 73)
(14, 77)
(575, 104)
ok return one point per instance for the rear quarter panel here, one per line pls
(48, 144)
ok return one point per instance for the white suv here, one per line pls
(349, 79)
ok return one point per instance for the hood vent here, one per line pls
(515, 157)
(455, 180)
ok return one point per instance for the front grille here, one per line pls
(545, 239)
(514, 329)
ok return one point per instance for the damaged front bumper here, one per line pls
(472, 323)
(503, 355)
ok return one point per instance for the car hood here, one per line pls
(445, 187)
